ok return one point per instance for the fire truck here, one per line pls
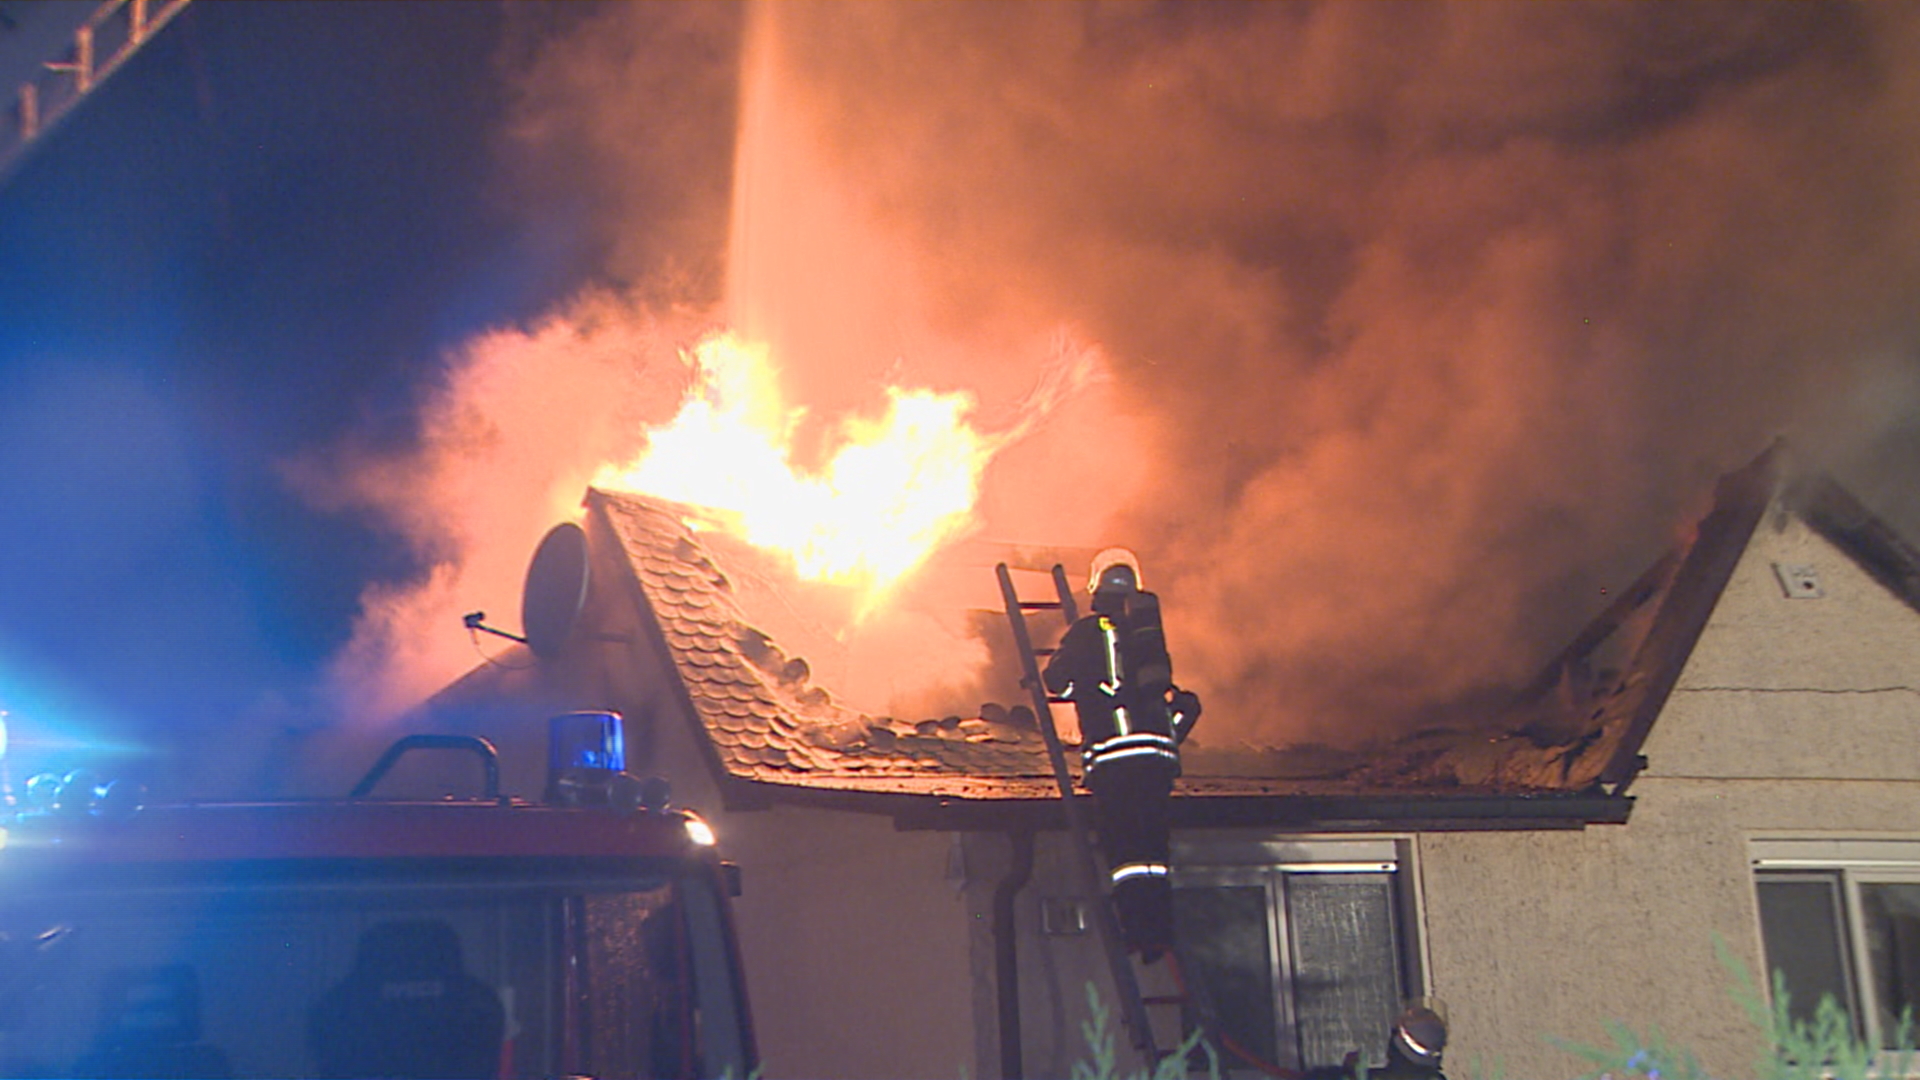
(587, 934)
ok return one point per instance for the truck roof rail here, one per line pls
(489, 760)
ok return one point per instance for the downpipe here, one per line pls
(1006, 953)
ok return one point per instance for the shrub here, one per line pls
(1103, 1051)
(1821, 1048)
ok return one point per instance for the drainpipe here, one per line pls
(1006, 956)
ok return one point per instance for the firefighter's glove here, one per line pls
(1186, 705)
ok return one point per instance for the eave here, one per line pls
(1357, 812)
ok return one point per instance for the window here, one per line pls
(1304, 950)
(1841, 919)
(622, 972)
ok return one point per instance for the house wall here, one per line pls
(854, 937)
(1792, 717)
(852, 933)
(1055, 969)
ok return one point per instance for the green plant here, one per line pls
(1103, 1050)
(1822, 1048)
(1631, 1054)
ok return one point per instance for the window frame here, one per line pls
(1268, 862)
(1854, 862)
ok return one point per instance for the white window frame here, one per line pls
(1857, 862)
(1229, 861)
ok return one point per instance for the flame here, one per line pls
(895, 489)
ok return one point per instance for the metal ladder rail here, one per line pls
(99, 45)
(1126, 981)
(1199, 1016)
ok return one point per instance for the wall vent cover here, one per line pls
(1799, 581)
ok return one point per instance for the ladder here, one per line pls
(96, 48)
(1089, 866)
(1189, 991)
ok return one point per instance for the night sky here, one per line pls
(262, 232)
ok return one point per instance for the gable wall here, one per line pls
(1791, 718)
(1813, 688)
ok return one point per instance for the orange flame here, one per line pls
(896, 488)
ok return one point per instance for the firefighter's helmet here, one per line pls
(1421, 1033)
(1115, 568)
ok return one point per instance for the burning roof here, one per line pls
(1562, 753)
(1575, 733)
(758, 706)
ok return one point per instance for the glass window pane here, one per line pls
(717, 1016)
(254, 982)
(1346, 976)
(1801, 927)
(1891, 914)
(1224, 935)
(638, 1021)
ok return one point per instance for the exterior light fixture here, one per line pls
(700, 832)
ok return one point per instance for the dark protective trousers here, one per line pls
(1131, 798)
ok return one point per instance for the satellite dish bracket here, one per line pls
(476, 620)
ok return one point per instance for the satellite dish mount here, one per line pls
(555, 593)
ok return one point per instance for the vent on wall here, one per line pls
(1799, 581)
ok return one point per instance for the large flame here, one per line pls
(894, 489)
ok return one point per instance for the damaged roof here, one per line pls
(1563, 754)
(765, 718)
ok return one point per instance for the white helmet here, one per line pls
(1109, 560)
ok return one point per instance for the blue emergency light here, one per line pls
(586, 740)
(586, 758)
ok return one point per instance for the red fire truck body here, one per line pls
(368, 937)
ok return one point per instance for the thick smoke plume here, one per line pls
(506, 450)
(521, 418)
(1441, 315)
(1425, 323)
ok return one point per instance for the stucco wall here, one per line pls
(853, 934)
(1056, 969)
(855, 941)
(1792, 717)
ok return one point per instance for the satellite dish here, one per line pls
(556, 589)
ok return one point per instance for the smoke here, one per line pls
(1437, 319)
(619, 140)
(620, 137)
(507, 446)
(1424, 324)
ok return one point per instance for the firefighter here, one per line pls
(1113, 666)
(1414, 1049)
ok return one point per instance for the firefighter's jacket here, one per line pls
(1115, 670)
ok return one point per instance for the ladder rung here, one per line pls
(1045, 652)
(1039, 605)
